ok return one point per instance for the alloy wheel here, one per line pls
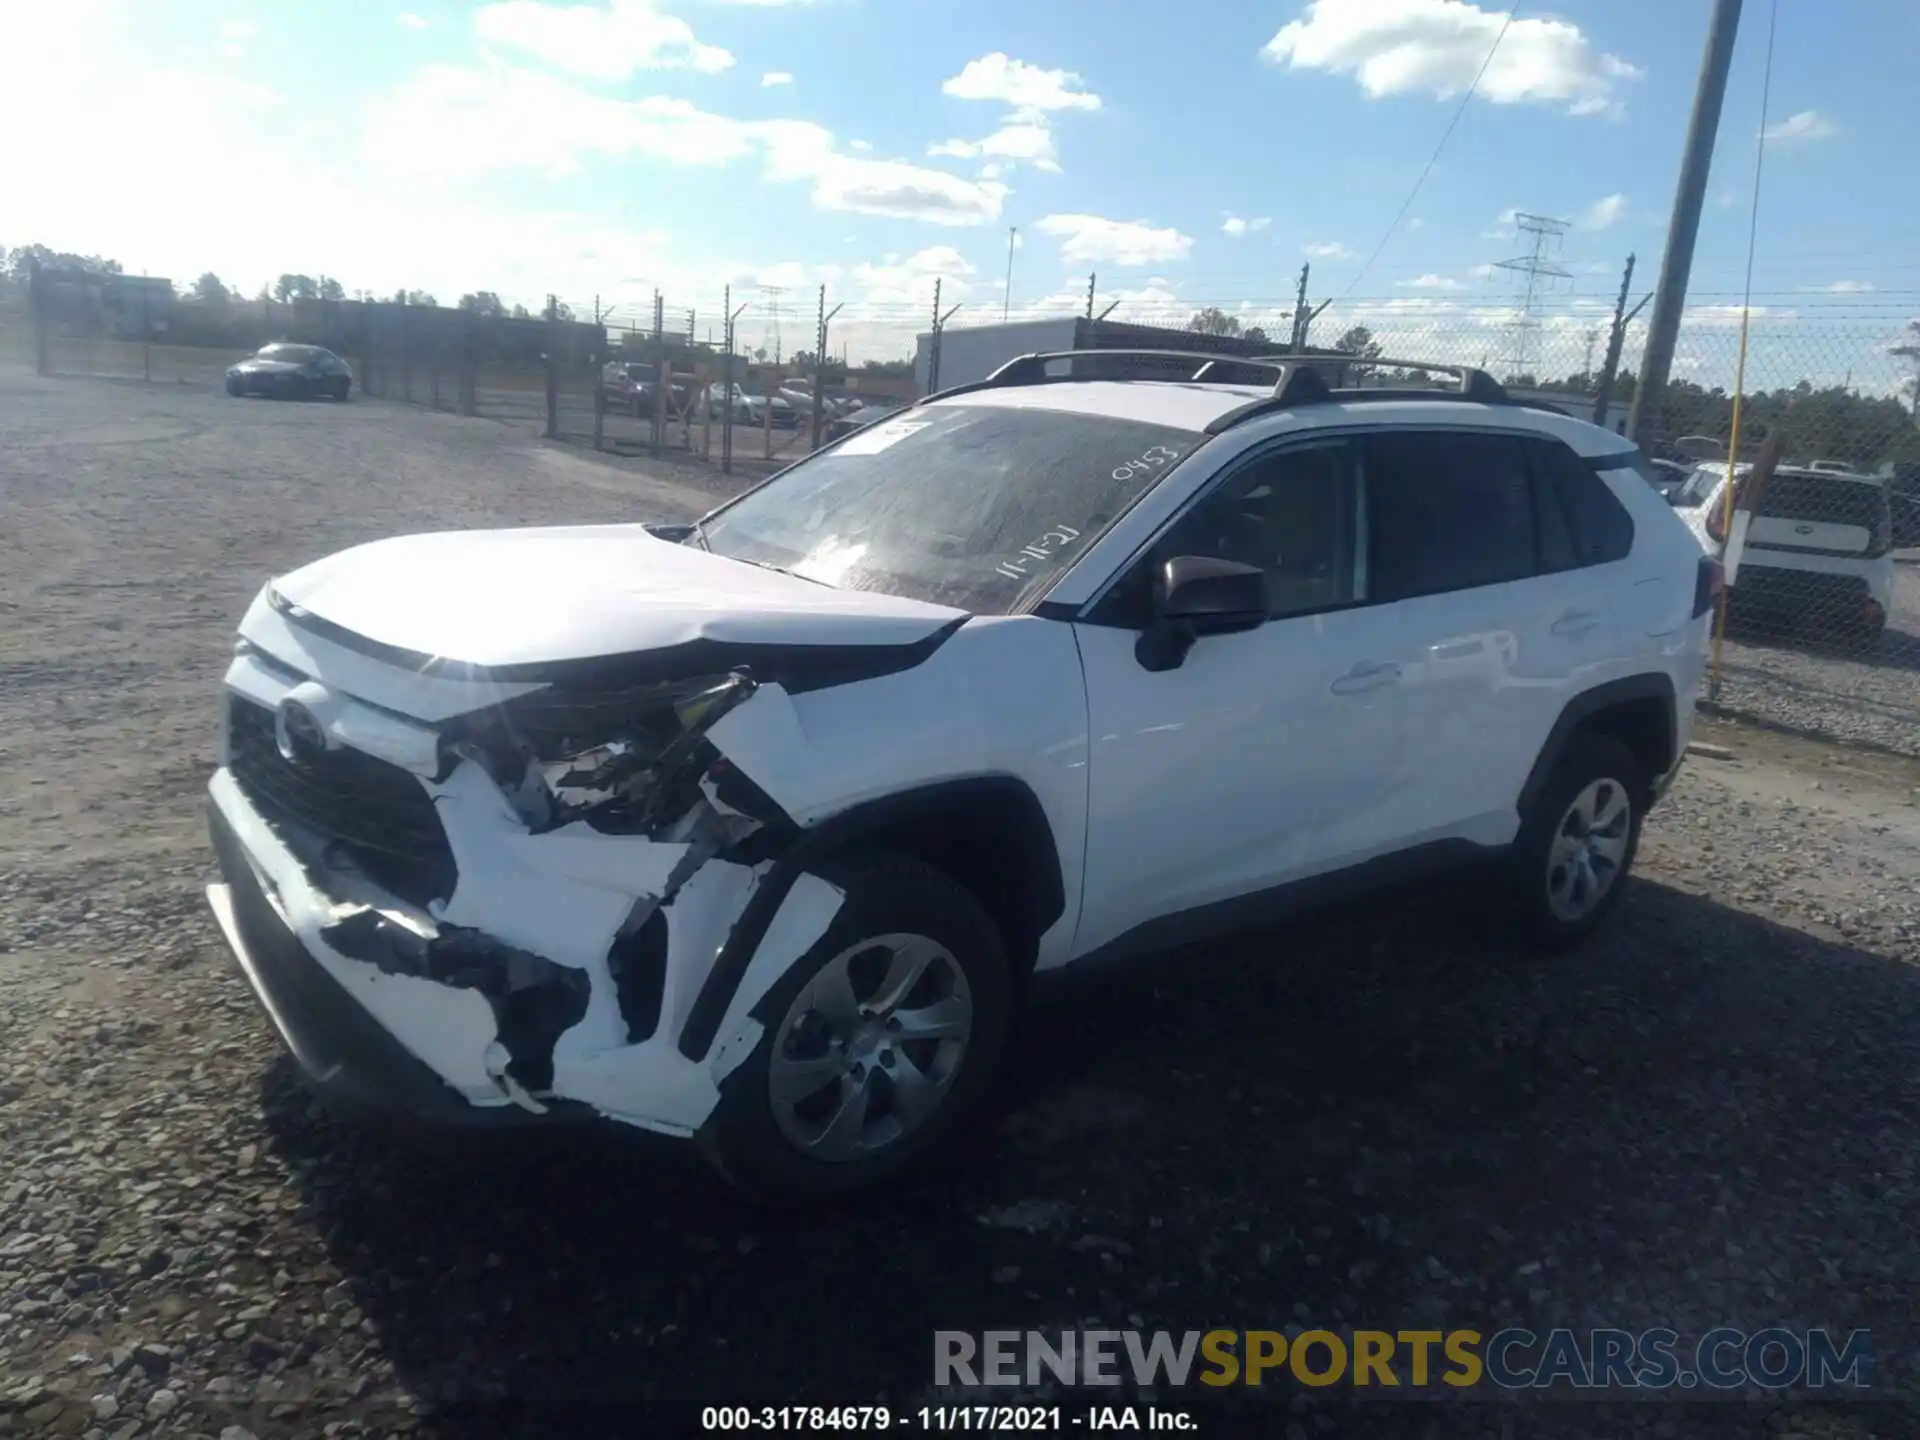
(868, 1051)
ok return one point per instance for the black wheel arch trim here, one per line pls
(842, 831)
(1583, 707)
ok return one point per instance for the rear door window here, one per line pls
(1447, 510)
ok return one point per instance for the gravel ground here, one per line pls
(1382, 1119)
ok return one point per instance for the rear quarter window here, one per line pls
(1600, 527)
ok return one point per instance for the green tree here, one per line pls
(1213, 321)
(331, 289)
(209, 289)
(295, 287)
(19, 261)
(484, 303)
(1358, 340)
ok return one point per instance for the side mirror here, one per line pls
(1198, 595)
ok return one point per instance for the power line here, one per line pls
(1434, 159)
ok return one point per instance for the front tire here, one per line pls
(876, 1043)
(1577, 843)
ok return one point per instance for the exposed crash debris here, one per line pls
(534, 1000)
(638, 964)
(628, 762)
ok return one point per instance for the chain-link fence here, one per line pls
(1823, 628)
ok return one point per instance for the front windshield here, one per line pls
(291, 353)
(974, 506)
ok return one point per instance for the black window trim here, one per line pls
(1086, 613)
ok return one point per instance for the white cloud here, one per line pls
(1025, 138)
(410, 21)
(1484, 272)
(1115, 242)
(1604, 212)
(910, 281)
(239, 30)
(1416, 223)
(1805, 125)
(1435, 47)
(604, 42)
(1329, 250)
(1847, 287)
(776, 77)
(1020, 85)
(1727, 199)
(503, 118)
(1237, 226)
(1429, 282)
(865, 147)
(1722, 317)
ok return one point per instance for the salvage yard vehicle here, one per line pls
(292, 372)
(757, 829)
(1818, 556)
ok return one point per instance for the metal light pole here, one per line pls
(1006, 298)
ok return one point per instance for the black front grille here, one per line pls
(379, 813)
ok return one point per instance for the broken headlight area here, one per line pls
(534, 1000)
(627, 762)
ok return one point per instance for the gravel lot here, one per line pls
(1382, 1119)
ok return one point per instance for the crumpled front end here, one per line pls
(525, 895)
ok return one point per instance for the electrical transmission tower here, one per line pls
(1535, 268)
(771, 339)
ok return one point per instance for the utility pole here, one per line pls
(1006, 297)
(1297, 341)
(1676, 267)
(1610, 370)
(933, 340)
(1090, 283)
(820, 366)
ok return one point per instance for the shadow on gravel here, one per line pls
(1896, 649)
(1375, 1119)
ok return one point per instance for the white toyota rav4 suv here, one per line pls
(757, 829)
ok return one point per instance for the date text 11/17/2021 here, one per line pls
(947, 1419)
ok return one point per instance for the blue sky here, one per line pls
(1188, 155)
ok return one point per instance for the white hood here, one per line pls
(518, 597)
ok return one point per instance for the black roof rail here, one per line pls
(1292, 381)
(1473, 383)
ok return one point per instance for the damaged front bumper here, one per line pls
(558, 978)
(348, 1057)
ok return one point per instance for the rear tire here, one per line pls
(1576, 844)
(787, 1113)
(342, 389)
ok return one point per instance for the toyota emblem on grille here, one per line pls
(297, 734)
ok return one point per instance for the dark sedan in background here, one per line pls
(292, 372)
